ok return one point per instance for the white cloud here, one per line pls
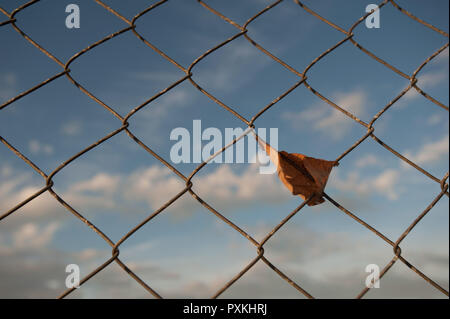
(8, 83)
(37, 147)
(16, 191)
(441, 58)
(429, 153)
(326, 264)
(17, 186)
(434, 119)
(147, 188)
(367, 160)
(250, 186)
(5, 171)
(31, 235)
(318, 261)
(328, 120)
(431, 79)
(385, 183)
(227, 72)
(153, 185)
(71, 128)
(221, 188)
(101, 182)
(88, 254)
(426, 81)
(167, 104)
(158, 76)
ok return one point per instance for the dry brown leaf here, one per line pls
(302, 175)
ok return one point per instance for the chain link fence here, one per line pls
(10, 21)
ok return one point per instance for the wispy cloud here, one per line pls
(431, 152)
(16, 186)
(72, 128)
(34, 236)
(323, 263)
(384, 184)
(367, 160)
(226, 74)
(429, 79)
(169, 103)
(223, 185)
(37, 147)
(101, 182)
(327, 120)
(435, 119)
(223, 188)
(8, 86)
(426, 80)
(146, 189)
(441, 58)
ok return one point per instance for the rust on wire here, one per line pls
(13, 18)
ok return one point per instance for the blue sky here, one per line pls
(186, 251)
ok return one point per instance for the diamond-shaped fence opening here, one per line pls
(12, 20)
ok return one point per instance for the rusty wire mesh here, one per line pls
(348, 35)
